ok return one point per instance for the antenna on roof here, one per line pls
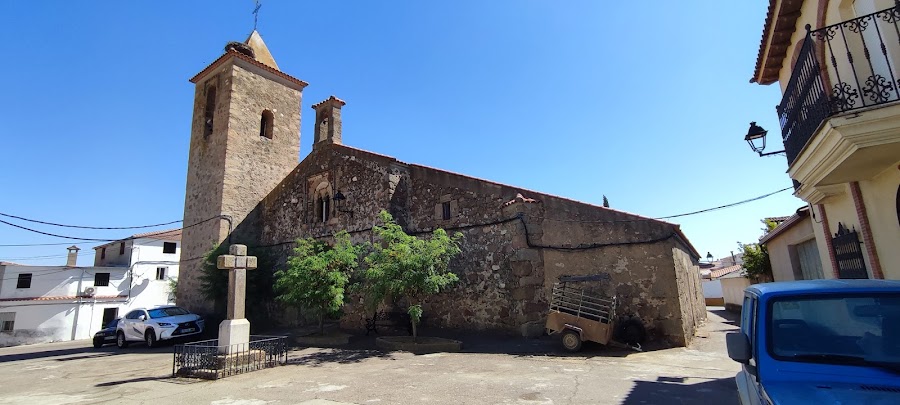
(256, 14)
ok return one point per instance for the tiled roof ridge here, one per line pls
(716, 273)
(167, 232)
(764, 40)
(236, 54)
(330, 99)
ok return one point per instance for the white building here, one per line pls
(54, 303)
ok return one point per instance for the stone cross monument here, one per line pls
(236, 329)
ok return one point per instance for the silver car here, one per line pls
(157, 324)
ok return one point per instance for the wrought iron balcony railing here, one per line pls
(842, 67)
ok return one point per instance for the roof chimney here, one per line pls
(328, 121)
(73, 256)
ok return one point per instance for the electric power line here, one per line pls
(35, 244)
(55, 235)
(727, 205)
(163, 233)
(89, 227)
(222, 216)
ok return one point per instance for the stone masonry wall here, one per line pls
(203, 194)
(693, 305)
(232, 169)
(504, 281)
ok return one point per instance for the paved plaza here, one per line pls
(75, 373)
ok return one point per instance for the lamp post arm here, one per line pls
(770, 153)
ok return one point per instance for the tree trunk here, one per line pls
(415, 336)
(322, 323)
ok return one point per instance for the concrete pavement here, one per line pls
(75, 373)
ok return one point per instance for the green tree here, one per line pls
(756, 262)
(605, 201)
(402, 265)
(317, 275)
(770, 225)
(173, 287)
(214, 282)
(214, 285)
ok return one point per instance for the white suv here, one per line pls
(154, 325)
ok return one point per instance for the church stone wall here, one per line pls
(505, 278)
(232, 169)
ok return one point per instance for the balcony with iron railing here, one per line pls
(843, 67)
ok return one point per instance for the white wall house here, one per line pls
(55, 303)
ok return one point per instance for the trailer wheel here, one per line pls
(571, 341)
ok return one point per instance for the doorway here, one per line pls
(109, 314)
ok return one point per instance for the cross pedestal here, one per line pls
(235, 330)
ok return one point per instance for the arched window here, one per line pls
(320, 195)
(210, 111)
(266, 124)
(324, 208)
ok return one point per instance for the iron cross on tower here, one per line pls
(256, 14)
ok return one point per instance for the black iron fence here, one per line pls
(842, 67)
(207, 359)
(848, 253)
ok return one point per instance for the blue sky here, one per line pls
(645, 103)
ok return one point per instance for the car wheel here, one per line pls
(571, 341)
(98, 343)
(150, 338)
(120, 340)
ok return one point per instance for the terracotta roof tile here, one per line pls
(171, 234)
(776, 38)
(520, 198)
(716, 273)
(788, 223)
(236, 54)
(330, 100)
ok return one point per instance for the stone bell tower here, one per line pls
(245, 139)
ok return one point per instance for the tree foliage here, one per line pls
(756, 262)
(605, 201)
(214, 284)
(402, 265)
(770, 225)
(317, 275)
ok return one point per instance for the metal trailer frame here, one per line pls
(580, 316)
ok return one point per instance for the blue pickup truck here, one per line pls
(819, 342)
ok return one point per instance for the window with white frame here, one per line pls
(161, 273)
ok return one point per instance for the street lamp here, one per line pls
(756, 137)
(339, 201)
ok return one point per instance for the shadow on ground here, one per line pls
(163, 378)
(731, 318)
(339, 356)
(362, 347)
(77, 353)
(676, 390)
